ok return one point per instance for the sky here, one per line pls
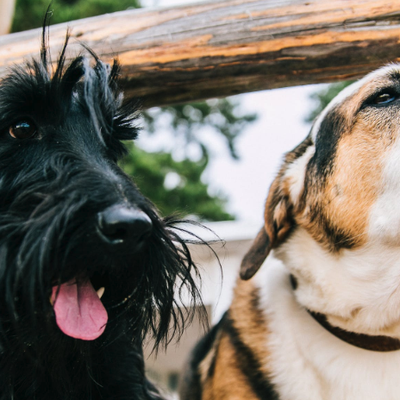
(279, 128)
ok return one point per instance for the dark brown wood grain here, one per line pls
(221, 48)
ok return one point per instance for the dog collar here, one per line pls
(366, 342)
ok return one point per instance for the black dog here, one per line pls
(72, 223)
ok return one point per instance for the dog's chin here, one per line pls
(358, 290)
(374, 318)
(377, 317)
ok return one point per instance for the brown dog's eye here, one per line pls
(22, 130)
(384, 98)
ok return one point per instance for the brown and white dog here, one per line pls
(321, 319)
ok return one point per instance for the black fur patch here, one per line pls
(249, 364)
(329, 133)
(60, 139)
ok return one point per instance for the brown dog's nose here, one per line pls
(124, 226)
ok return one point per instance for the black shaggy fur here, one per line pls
(60, 140)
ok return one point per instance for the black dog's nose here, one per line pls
(124, 226)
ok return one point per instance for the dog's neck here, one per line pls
(357, 290)
(366, 342)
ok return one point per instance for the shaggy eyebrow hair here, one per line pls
(35, 90)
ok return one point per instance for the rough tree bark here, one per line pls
(221, 48)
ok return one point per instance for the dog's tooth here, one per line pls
(51, 300)
(100, 292)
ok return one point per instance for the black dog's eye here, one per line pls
(22, 130)
(384, 98)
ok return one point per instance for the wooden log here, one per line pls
(222, 48)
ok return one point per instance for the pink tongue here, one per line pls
(79, 311)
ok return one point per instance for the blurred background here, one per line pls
(212, 161)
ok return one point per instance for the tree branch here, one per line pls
(223, 48)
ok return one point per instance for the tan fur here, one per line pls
(276, 211)
(249, 320)
(226, 376)
(359, 154)
(346, 201)
(251, 325)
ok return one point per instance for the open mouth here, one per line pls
(79, 311)
(99, 281)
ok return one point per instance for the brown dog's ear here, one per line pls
(254, 258)
(278, 222)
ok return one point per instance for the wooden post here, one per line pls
(222, 48)
(6, 15)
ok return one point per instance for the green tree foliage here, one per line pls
(178, 185)
(64, 10)
(189, 120)
(173, 184)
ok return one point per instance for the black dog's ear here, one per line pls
(278, 223)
